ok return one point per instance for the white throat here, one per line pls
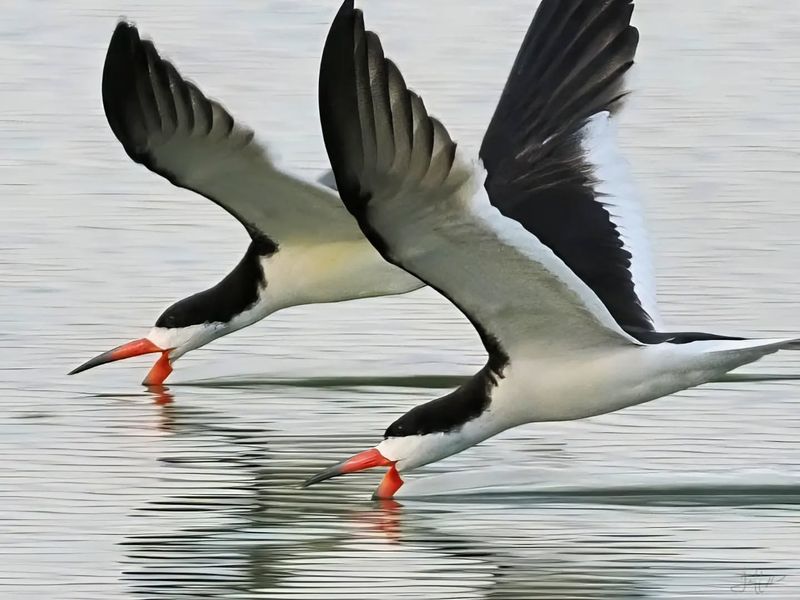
(186, 339)
(413, 451)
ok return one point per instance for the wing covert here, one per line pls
(424, 208)
(550, 152)
(167, 124)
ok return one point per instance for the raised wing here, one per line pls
(424, 208)
(166, 123)
(552, 159)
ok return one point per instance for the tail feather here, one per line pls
(756, 377)
(763, 345)
(725, 342)
(725, 355)
(728, 355)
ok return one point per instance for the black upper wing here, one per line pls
(167, 124)
(421, 203)
(544, 168)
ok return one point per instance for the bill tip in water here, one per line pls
(360, 462)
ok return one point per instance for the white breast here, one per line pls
(593, 383)
(331, 272)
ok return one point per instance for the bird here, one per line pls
(304, 246)
(538, 241)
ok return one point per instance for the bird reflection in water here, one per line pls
(230, 519)
(161, 394)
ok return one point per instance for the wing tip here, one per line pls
(136, 90)
(118, 84)
(134, 74)
(360, 88)
(338, 99)
(347, 17)
(124, 27)
(121, 48)
(348, 6)
(578, 53)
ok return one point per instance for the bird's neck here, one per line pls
(331, 272)
(237, 294)
(415, 451)
(447, 425)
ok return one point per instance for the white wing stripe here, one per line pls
(512, 233)
(616, 190)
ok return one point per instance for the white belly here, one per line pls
(558, 388)
(331, 273)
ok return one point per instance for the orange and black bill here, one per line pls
(360, 462)
(129, 350)
(157, 374)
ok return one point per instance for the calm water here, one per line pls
(107, 492)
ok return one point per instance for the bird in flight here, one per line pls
(305, 248)
(539, 242)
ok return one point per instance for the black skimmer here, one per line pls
(543, 255)
(305, 247)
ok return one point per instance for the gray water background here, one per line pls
(108, 492)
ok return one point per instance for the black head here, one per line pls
(232, 296)
(447, 413)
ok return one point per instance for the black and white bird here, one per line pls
(305, 247)
(544, 255)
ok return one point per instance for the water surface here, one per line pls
(108, 492)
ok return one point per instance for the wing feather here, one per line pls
(552, 159)
(435, 220)
(167, 124)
